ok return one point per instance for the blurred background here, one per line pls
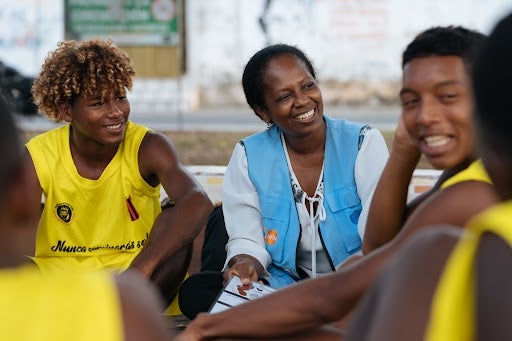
(189, 54)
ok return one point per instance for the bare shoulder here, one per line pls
(156, 140)
(455, 204)
(141, 309)
(157, 156)
(472, 195)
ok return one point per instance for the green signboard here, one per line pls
(127, 22)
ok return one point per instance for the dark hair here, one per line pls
(254, 72)
(445, 41)
(10, 146)
(492, 72)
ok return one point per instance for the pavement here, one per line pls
(229, 118)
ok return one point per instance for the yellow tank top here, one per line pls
(452, 314)
(475, 171)
(89, 224)
(59, 307)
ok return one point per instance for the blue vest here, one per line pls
(268, 171)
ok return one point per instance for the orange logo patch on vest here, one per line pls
(64, 212)
(271, 237)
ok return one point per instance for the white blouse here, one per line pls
(242, 215)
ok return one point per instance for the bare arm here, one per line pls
(177, 227)
(388, 207)
(141, 309)
(298, 308)
(451, 205)
(291, 310)
(314, 302)
(404, 290)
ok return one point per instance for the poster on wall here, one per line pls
(126, 22)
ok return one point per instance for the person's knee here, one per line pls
(199, 291)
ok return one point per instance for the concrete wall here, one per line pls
(354, 44)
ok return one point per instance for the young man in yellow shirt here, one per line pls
(60, 306)
(450, 283)
(101, 175)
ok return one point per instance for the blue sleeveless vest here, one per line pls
(268, 171)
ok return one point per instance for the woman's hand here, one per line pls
(244, 266)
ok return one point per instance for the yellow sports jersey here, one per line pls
(452, 315)
(475, 171)
(89, 224)
(59, 307)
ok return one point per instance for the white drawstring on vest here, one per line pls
(320, 213)
(318, 197)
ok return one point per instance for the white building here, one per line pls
(355, 45)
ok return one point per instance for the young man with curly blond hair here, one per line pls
(100, 174)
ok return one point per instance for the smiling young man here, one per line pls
(101, 174)
(93, 306)
(436, 66)
(436, 121)
(450, 283)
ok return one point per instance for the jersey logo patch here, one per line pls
(64, 212)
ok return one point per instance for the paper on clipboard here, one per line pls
(235, 293)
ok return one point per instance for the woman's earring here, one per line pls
(269, 124)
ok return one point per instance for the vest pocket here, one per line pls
(275, 214)
(275, 209)
(343, 198)
(346, 207)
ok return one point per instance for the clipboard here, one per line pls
(235, 293)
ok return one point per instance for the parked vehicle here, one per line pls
(16, 89)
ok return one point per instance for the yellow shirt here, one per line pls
(89, 224)
(58, 307)
(475, 171)
(452, 315)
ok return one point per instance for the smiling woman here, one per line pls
(304, 183)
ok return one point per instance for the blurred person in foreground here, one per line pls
(93, 306)
(437, 99)
(101, 175)
(450, 283)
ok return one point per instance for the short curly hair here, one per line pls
(81, 69)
